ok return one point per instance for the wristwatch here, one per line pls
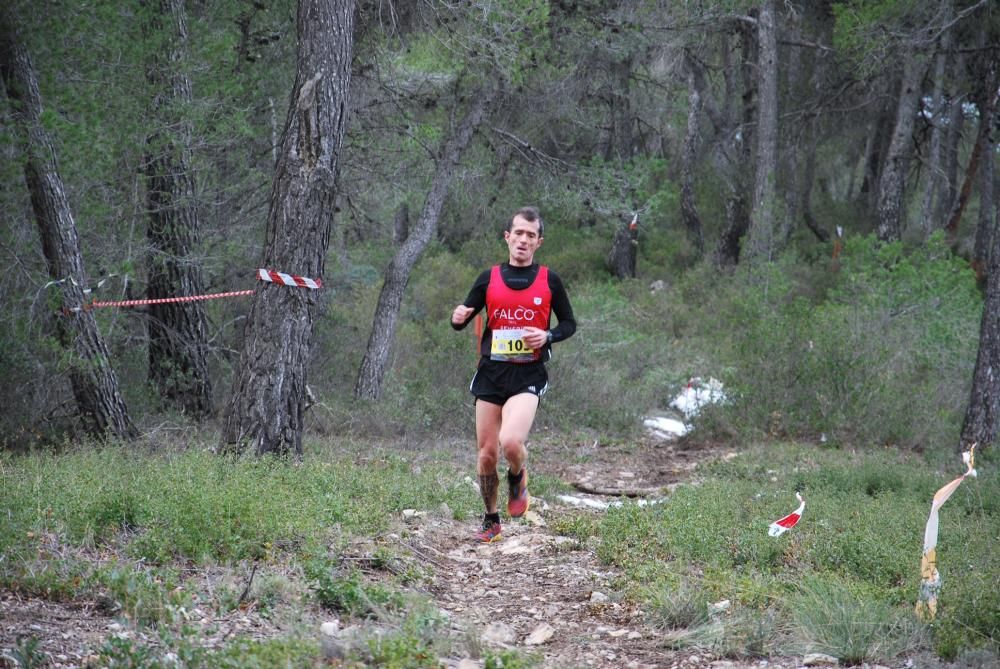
(548, 337)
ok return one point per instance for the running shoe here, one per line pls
(518, 499)
(489, 533)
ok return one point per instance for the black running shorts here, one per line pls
(496, 382)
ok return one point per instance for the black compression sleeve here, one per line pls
(476, 298)
(562, 309)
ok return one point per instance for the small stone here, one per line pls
(817, 659)
(598, 598)
(719, 607)
(466, 663)
(533, 518)
(540, 635)
(499, 633)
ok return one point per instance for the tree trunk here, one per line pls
(934, 190)
(890, 210)
(178, 332)
(806, 187)
(952, 141)
(987, 104)
(689, 210)
(727, 252)
(986, 227)
(401, 225)
(375, 362)
(762, 242)
(94, 383)
(618, 141)
(875, 151)
(980, 423)
(624, 250)
(266, 410)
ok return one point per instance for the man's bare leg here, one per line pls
(517, 416)
(488, 418)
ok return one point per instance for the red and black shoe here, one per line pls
(490, 531)
(518, 498)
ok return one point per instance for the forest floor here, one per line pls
(535, 591)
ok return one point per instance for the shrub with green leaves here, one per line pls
(884, 355)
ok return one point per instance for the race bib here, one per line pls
(509, 346)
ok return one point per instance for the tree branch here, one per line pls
(530, 153)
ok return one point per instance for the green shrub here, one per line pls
(681, 607)
(147, 597)
(883, 354)
(829, 618)
(345, 590)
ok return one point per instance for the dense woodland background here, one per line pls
(797, 198)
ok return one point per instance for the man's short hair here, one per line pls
(529, 214)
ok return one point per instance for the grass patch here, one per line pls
(197, 506)
(829, 618)
(127, 528)
(862, 531)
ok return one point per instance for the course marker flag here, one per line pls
(930, 583)
(782, 525)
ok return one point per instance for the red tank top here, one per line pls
(510, 311)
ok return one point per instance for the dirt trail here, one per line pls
(547, 594)
(534, 591)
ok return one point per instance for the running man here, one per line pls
(520, 296)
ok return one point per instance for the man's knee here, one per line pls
(488, 459)
(513, 447)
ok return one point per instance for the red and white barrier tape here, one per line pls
(167, 300)
(782, 525)
(288, 279)
(270, 276)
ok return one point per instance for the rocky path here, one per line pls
(534, 591)
(546, 594)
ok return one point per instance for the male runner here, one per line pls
(519, 296)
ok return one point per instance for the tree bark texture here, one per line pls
(689, 155)
(762, 240)
(980, 423)
(727, 251)
(267, 406)
(876, 149)
(93, 380)
(806, 187)
(934, 189)
(383, 334)
(892, 185)
(178, 332)
(952, 141)
(618, 137)
(624, 250)
(986, 102)
(986, 226)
